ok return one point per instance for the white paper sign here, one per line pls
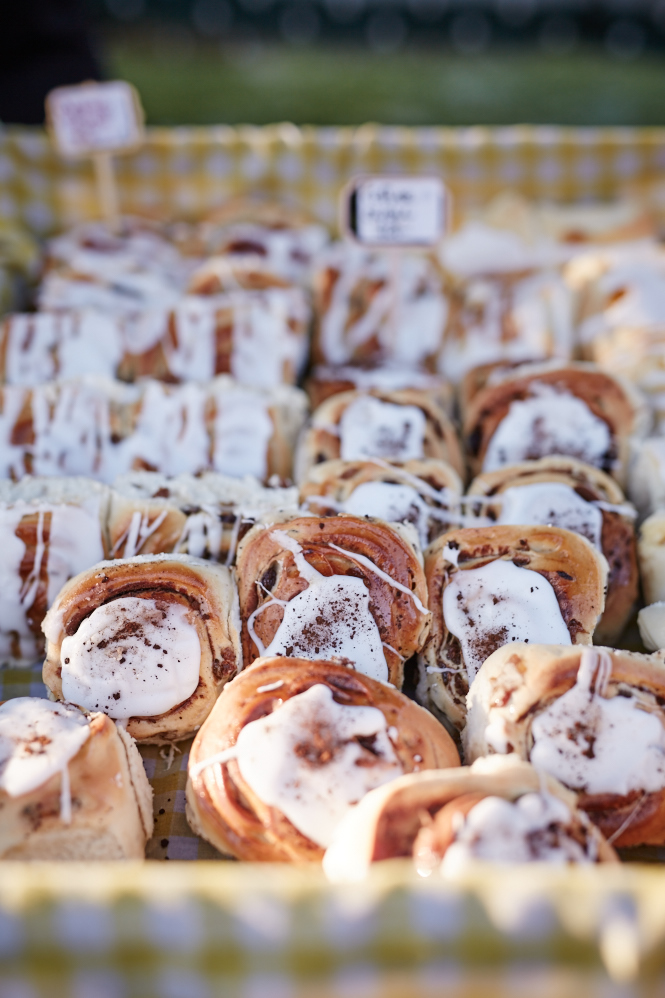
(397, 211)
(95, 118)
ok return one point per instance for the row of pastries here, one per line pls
(392, 657)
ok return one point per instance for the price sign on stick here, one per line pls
(396, 211)
(395, 214)
(97, 120)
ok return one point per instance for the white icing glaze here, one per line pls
(531, 829)
(372, 428)
(548, 422)
(597, 744)
(391, 502)
(140, 529)
(306, 760)
(37, 740)
(552, 503)
(491, 606)
(329, 619)
(132, 657)
(43, 346)
(243, 429)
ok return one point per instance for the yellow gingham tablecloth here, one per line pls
(188, 171)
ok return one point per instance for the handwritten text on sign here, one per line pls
(95, 118)
(398, 211)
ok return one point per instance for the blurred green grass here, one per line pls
(186, 82)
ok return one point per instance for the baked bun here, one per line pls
(50, 529)
(170, 620)
(403, 425)
(367, 307)
(423, 814)
(574, 410)
(591, 717)
(564, 492)
(290, 746)
(338, 587)
(72, 787)
(490, 586)
(424, 493)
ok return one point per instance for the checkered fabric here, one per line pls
(188, 171)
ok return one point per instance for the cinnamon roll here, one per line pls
(591, 717)
(564, 492)
(150, 641)
(367, 306)
(291, 746)
(205, 516)
(573, 410)
(425, 493)
(72, 787)
(340, 588)
(510, 317)
(499, 810)
(50, 530)
(40, 346)
(403, 426)
(646, 483)
(492, 586)
(100, 428)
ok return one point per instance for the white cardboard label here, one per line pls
(399, 211)
(94, 118)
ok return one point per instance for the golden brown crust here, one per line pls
(605, 396)
(224, 809)
(263, 559)
(572, 566)
(207, 590)
(618, 542)
(321, 443)
(143, 526)
(110, 817)
(518, 682)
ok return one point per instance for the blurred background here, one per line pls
(391, 61)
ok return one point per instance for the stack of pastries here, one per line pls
(382, 615)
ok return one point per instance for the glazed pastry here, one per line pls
(206, 516)
(651, 625)
(403, 426)
(338, 588)
(72, 787)
(490, 586)
(651, 554)
(100, 428)
(150, 641)
(291, 746)
(499, 810)
(591, 717)
(327, 381)
(425, 493)
(50, 529)
(358, 320)
(536, 411)
(564, 492)
(512, 317)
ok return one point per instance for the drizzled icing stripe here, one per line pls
(220, 757)
(362, 560)
(138, 532)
